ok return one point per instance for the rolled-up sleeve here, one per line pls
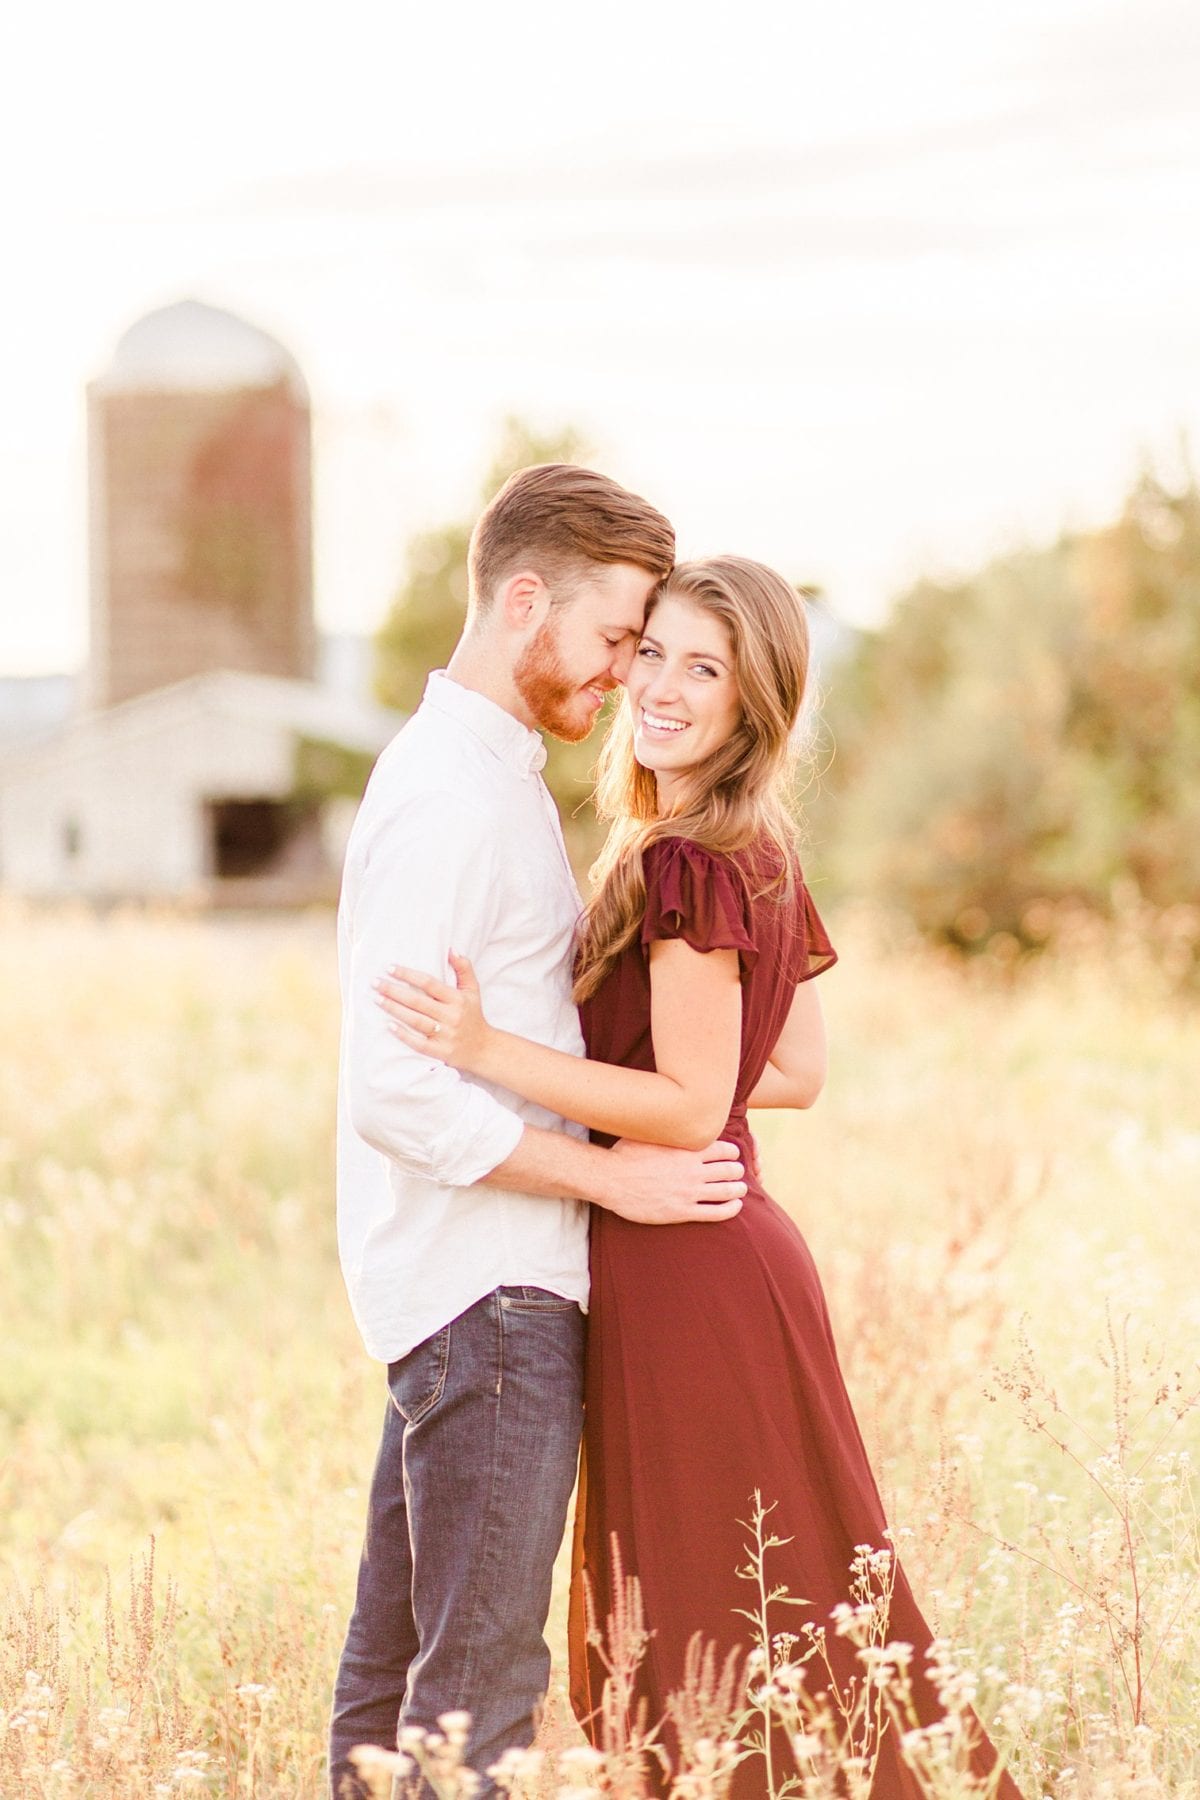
(424, 884)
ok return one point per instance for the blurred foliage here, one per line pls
(1027, 742)
(322, 769)
(426, 619)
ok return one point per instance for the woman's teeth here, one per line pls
(653, 723)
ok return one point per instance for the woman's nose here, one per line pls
(664, 685)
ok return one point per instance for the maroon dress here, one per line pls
(711, 1365)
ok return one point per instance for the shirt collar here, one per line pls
(504, 736)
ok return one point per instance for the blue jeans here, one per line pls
(467, 1511)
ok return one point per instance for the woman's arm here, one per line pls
(696, 1025)
(795, 1074)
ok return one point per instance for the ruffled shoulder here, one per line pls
(702, 898)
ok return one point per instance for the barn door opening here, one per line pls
(248, 837)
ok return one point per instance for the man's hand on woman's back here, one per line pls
(656, 1186)
(647, 1183)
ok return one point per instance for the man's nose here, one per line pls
(621, 660)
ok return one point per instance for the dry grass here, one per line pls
(999, 1186)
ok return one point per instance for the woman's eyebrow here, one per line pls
(701, 655)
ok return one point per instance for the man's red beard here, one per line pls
(542, 683)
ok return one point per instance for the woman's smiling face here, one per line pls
(681, 690)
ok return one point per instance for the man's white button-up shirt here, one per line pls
(457, 846)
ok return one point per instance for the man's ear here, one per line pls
(522, 601)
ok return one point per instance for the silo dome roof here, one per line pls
(193, 346)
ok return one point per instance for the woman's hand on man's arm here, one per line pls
(440, 1021)
(684, 1102)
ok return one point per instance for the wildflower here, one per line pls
(370, 1760)
(582, 1758)
(806, 1745)
(255, 1696)
(517, 1765)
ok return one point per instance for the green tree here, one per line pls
(426, 619)
(1030, 736)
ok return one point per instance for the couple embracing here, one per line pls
(516, 1066)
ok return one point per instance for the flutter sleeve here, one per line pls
(819, 954)
(701, 898)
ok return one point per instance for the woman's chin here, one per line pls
(663, 767)
(653, 760)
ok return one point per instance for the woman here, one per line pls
(712, 1371)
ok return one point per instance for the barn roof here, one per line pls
(301, 709)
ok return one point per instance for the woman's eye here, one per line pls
(704, 669)
(646, 650)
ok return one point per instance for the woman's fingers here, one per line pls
(464, 973)
(402, 993)
(417, 1040)
(408, 1015)
(427, 984)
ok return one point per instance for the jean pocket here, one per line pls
(534, 1299)
(416, 1381)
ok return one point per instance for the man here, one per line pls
(462, 1226)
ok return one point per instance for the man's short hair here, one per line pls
(557, 519)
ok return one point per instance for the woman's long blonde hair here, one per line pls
(735, 798)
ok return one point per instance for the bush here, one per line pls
(1026, 743)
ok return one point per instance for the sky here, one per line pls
(863, 291)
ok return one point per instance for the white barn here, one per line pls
(224, 788)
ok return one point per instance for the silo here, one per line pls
(199, 465)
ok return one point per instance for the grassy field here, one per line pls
(1000, 1186)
